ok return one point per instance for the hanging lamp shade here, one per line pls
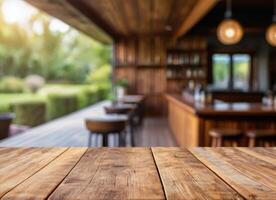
(229, 32)
(271, 34)
(271, 31)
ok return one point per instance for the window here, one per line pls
(231, 71)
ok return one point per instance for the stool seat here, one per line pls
(220, 137)
(105, 125)
(225, 133)
(120, 108)
(261, 133)
(261, 138)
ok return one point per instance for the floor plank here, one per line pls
(185, 177)
(27, 164)
(112, 174)
(42, 184)
(70, 131)
(155, 132)
(251, 177)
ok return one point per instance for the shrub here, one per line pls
(91, 96)
(122, 83)
(5, 108)
(29, 113)
(10, 84)
(34, 82)
(61, 104)
(103, 92)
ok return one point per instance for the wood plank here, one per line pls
(42, 184)
(112, 173)
(185, 177)
(249, 176)
(8, 155)
(251, 166)
(25, 166)
(265, 154)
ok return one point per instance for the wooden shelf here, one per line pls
(186, 79)
(185, 66)
(153, 66)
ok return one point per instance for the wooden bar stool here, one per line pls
(222, 137)
(261, 138)
(120, 108)
(137, 100)
(106, 125)
(128, 109)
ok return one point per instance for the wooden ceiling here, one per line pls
(105, 20)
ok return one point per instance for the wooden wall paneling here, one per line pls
(120, 53)
(131, 47)
(128, 73)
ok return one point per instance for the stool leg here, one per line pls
(89, 139)
(122, 139)
(219, 142)
(214, 142)
(251, 142)
(105, 140)
(234, 144)
(132, 135)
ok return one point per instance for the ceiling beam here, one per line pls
(93, 16)
(66, 12)
(200, 9)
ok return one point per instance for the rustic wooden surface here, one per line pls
(137, 173)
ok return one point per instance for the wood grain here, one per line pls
(185, 177)
(265, 154)
(42, 184)
(112, 174)
(251, 177)
(197, 12)
(23, 167)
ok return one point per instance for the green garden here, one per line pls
(48, 69)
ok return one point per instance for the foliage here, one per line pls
(34, 82)
(101, 78)
(57, 56)
(30, 113)
(122, 83)
(61, 104)
(11, 84)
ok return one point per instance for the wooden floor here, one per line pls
(70, 131)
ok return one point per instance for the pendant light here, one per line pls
(229, 30)
(271, 31)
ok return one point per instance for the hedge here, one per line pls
(29, 113)
(61, 104)
(90, 96)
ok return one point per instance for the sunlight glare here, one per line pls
(17, 11)
(58, 26)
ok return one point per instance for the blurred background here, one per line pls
(46, 66)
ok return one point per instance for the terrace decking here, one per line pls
(70, 131)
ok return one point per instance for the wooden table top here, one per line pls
(137, 173)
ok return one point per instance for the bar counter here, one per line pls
(191, 121)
